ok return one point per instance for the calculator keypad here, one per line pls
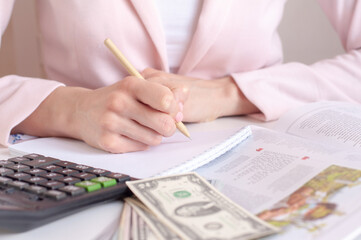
(50, 178)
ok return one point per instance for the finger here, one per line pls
(162, 123)
(179, 89)
(115, 143)
(148, 72)
(152, 73)
(153, 94)
(124, 106)
(129, 128)
(173, 81)
(140, 133)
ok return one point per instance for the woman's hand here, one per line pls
(129, 115)
(206, 100)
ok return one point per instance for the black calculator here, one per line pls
(35, 190)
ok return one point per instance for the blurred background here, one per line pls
(306, 34)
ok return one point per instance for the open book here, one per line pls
(303, 175)
(175, 155)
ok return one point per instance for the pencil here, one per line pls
(132, 71)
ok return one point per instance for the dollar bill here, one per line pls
(157, 227)
(135, 230)
(145, 232)
(140, 229)
(194, 209)
(125, 223)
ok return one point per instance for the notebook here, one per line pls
(174, 155)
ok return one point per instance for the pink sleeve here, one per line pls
(19, 96)
(277, 89)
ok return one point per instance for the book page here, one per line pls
(263, 173)
(337, 123)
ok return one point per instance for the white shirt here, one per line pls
(179, 19)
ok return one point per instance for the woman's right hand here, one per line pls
(130, 115)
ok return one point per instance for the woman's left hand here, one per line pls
(206, 100)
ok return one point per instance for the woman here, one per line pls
(224, 58)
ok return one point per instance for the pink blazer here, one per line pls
(237, 38)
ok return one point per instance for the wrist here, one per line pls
(65, 110)
(232, 100)
(55, 115)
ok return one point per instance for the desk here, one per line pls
(101, 222)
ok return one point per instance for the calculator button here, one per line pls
(69, 180)
(36, 180)
(54, 194)
(53, 176)
(5, 163)
(73, 190)
(32, 197)
(65, 164)
(9, 190)
(35, 189)
(5, 171)
(89, 186)
(85, 176)
(105, 181)
(98, 171)
(19, 167)
(36, 172)
(18, 159)
(32, 156)
(20, 176)
(52, 184)
(51, 168)
(68, 172)
(18, 184)
(39, 162)
(119, 177)
(4, 180)
(81, 168)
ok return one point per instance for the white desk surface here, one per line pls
(101, 222)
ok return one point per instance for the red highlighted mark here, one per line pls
(259, 149)
(305, 158)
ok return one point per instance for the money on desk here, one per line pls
(186, 206)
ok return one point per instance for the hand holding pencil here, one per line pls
(132, 71)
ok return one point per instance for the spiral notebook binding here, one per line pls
(211, 154)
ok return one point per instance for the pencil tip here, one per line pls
(183, 129)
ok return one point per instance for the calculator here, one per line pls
(35, 190)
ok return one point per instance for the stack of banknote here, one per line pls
(185, 206)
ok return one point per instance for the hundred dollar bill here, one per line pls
(194, 209)
(159, 229)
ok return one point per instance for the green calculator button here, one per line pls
(105, 181)
(89, 186)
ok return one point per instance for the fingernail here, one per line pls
(179, 117)
(180, 107)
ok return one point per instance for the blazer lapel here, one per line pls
(210, 23)
(151, 21)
